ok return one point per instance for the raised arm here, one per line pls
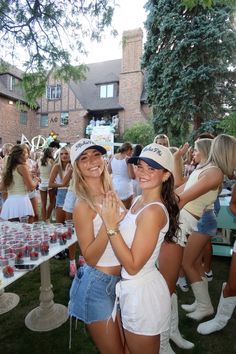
(209, 179)
(178, 165)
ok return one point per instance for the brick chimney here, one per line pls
(131, 79)
(132, 43)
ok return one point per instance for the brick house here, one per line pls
(111, 88)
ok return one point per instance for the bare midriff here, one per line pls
(110, 270)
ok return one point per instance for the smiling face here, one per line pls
(148, 176)
(91, 163)
(64, 155)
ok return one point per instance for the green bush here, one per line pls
(228, 124)
(140, 133)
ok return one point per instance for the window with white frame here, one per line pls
(12, 83)
(23, 117)
(53, 92)
(107, 91)
(43, 121)
(64, 120)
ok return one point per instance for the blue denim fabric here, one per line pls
(69, 202)
(60, 198)
(207, 224)
(92, 295)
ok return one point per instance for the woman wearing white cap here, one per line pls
(143, 293)
(92, 294)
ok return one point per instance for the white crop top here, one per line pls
(128, 227)
(108, 259)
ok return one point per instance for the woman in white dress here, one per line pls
(17, 182)
(122, 174)
(45, 165)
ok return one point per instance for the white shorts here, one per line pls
(69, 202)
(187, 224)
(16, 206)
(145, 304)
(234, 248)
(33, 194)
(43, 186)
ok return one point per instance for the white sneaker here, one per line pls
(209, 275)
(182, 283)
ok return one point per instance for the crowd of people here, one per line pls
(144, 222)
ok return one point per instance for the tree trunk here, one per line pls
(197, 121)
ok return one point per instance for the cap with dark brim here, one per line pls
(134, 160)
(99, 148)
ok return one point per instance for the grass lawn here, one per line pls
(15, 338)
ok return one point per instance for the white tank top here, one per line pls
(128, 227)
(108, 259)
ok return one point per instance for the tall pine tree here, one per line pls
(190, 59)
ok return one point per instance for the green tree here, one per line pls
(48, 32)
(140, 133)
(207, 3)
(228, 124)
(189, 58)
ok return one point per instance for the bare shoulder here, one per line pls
(22, 168)
(82, 209)
(153, 213)
(212, 172)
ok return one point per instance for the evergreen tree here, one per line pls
(189, 58)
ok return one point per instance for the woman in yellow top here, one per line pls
(17, 182)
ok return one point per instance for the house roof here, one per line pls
(8, 69)
(87, 91)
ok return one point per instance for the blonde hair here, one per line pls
(81, 188)
(223, 153)
(204, 147)
(59, 162)
(6, 148)
(162, 136)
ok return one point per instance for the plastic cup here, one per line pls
(8, 265)
(62, 235)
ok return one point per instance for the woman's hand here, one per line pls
(111, 212)
(181, 151)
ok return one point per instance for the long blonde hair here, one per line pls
(223, 153)
(82, 189)
(204, 147)
(59, 162)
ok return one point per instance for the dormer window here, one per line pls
(12, 83)
(53, 92)
(107, 91)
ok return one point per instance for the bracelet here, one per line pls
(112, 232)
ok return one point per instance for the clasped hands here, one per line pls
(111, 211)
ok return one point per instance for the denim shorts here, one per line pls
(92, 295)
(60, 198)
(69, 202)
(207, 225)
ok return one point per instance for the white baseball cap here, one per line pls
(156, 156)
(81, 145)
